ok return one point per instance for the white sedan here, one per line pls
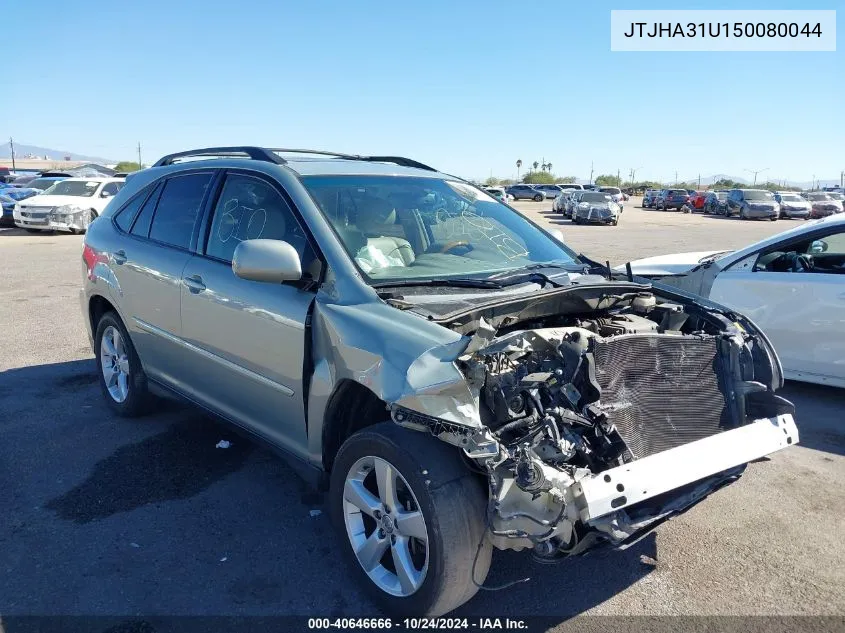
(69, 205)
(792, 285)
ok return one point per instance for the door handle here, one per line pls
(119, 257)
(194, 283)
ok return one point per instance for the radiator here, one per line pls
(661, 391)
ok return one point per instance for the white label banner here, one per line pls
(723, 30)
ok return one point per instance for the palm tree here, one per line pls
(543, 166)
(536, 164)
(549, 166)
(518, 165)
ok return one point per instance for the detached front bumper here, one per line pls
(624, 486)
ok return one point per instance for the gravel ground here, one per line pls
(113, 517)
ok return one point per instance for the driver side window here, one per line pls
(824, 254)
(249, 208)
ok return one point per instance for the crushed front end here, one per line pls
(602, 421)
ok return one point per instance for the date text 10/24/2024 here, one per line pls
(723, 30)
(419, 624)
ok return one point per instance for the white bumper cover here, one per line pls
(626, 485)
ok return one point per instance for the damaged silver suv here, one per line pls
(458, 377)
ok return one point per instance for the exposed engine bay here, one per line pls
(572, 399)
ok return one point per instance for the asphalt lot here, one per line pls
(108, 516)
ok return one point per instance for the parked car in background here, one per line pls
(650, 198)
(499, 193)
(671, 199)
(596, 207)
(823, 204)
(71, 204)
(9, 197)
(569, 185)
(514, 405)
(23, 180)
(615, 193)
(572, 201)
(550, 191)
(716, 203)
(792, 205)
(791, 285)
(559, 204)
(525, 192)
(697, 199)
(753, 204)
(837, 195)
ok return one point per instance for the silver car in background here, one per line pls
(455, 375)
(793, 206)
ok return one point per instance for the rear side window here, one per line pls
(177, 209)
(141, 228)
(127, 214)
(111, 189)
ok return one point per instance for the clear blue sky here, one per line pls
(467, 86)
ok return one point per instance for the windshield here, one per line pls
(758, 195)
(721, 195)
(81, 188)
(836, 196)
(790, 198)
(409, 228)
(593, 196)
(819, 196)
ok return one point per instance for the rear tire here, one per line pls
(136, 397)
(451, 499)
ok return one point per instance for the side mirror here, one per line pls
(106, 194)
(266, 260)
(818, 246)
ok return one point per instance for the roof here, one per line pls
(94, 179)
(305, 162)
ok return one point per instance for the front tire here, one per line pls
(411, 516)
(538, 198)
(122, 379)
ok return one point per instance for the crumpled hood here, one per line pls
(675, 264)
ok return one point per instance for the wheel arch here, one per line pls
(350, 408)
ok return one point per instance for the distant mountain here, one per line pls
(23, 151)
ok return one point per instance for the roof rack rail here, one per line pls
(240, 151)
(271, 155)
(396, 160)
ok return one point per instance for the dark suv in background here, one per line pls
(750, 204)
(650, 198)
(671, 199)
(526, 192)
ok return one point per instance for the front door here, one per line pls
(248, 337)
(795, 292)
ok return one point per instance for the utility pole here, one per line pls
(699, 182)
(633, 175)
(591, 172)
(676, 178)
(140, 164)
(12, 147)
(842, 179)
(755, 172)
(618, 182)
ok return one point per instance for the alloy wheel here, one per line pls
(385, 526)
(114, 361)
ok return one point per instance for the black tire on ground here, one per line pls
(773, 218)
(34, 231)
(539, 198)
(138, 399)
(453, 501)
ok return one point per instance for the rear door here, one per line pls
(247, 338)
(802, 312)
(148, 268)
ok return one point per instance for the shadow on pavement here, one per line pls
(819, 415)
